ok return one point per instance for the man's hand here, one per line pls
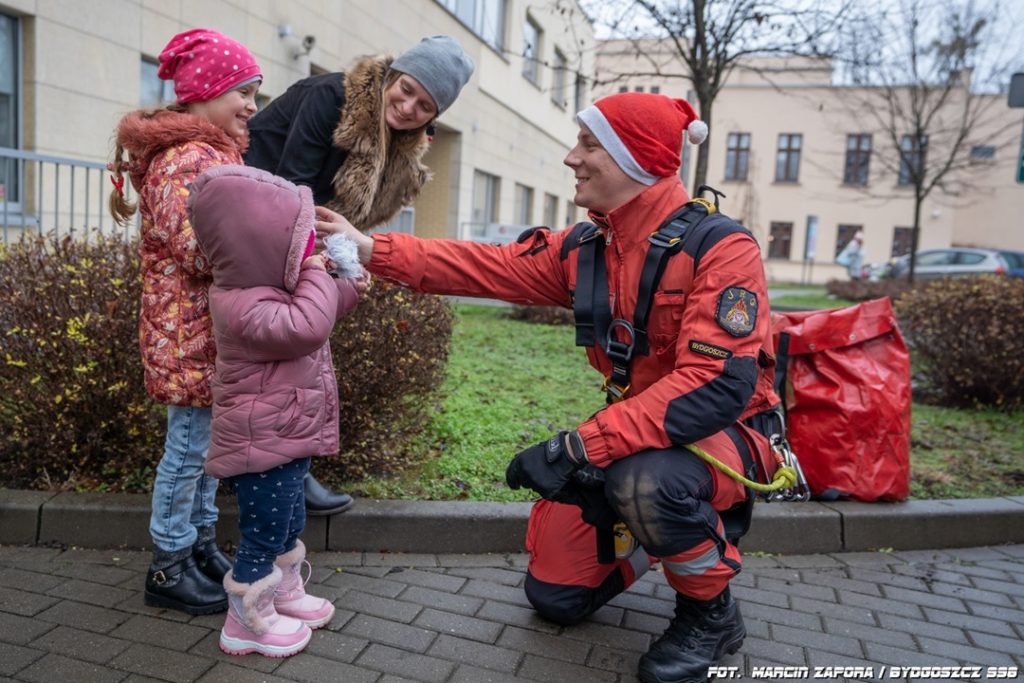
(328, 222)
(547, 467)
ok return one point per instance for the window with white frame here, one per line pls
(858, 159)
(531, 50)
(570, 212)
(737, 156)
(485, 202)
(580, 94)
(10, 104)
(524, 205)
(913, 152)
(787, 158)
(558, 80)
(550, 211)
(486, 18)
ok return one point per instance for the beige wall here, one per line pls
(81, 74)
(799, 99)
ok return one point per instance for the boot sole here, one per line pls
(154, 600)
(238, 647)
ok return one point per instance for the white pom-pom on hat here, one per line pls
(697, 131)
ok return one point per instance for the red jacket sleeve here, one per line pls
(704, 393)
(531, 272)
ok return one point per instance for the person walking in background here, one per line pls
(703, 377)
(852, 256)
(275, 397)
(357, 139)
(215, 82)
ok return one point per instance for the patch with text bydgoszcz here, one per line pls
(710, 350)
(737, 311)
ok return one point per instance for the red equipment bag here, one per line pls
(844, 378)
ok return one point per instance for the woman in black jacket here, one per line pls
(357, 139)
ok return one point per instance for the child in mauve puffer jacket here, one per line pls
(275, 398)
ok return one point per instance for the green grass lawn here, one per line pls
(511, 384)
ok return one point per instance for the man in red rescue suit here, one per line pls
(706, 372)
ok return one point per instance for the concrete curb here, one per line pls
(105, 520)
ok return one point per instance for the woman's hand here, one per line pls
(328, 222)
(362, 284)
(316, 262)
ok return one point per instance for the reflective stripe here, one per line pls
(696, 566)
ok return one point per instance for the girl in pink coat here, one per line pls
(275, 399)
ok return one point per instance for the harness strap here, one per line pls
(590, 306)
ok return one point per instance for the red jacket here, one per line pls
(710, 362)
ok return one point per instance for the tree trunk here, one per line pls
(701, 173)
(915, 233)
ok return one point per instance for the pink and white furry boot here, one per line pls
(253, 625)
(291, 598)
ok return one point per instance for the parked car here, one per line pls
(1014, 262)
(933, 264)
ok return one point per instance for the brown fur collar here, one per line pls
(382, 171)
(144, 135)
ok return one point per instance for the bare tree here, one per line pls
(922, 75)
(712, 38)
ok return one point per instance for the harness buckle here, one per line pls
(615, 391)
(660, 240)
(620, 352)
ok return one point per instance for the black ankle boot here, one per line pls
(700, 634)
(211, 560)
(321, 500)
(183, 587)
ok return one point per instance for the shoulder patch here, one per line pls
(710, 350)
(737, 311)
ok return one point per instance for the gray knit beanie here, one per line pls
(440, 65)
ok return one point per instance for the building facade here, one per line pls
(805, 167)
(69, 70)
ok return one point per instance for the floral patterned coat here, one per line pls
(167, 151)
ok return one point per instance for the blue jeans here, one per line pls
(183, 494)
(271, 515)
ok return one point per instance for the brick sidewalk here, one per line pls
(77, 615)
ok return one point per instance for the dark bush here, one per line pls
(390, 356)
(73, 409)
(545, 315)
(865, 290)
(965, 336)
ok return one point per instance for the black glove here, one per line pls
(548, 466)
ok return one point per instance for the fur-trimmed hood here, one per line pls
(144, 135)
(382, 172)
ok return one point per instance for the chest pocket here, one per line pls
(666, 319)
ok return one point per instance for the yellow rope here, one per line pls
(785, 477)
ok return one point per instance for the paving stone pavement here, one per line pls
(77, 615)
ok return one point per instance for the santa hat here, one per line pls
(643, 132)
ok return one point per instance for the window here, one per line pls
(858, 155)
(485, 202)
(913, 151)
(787, 159)
(623, 88)
(779, 240)
(638, 88)
(486, 18)
(570, 212)
(737, 156)
(580, 94)
(983, 153)
(531, 51)
(845, 234)
(901, 241)
(10, 105)
(524, 205)
(655, 89)
(403, 222)
(558, 71)
(551, 211)
(153, 92)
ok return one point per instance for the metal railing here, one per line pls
(43, 194)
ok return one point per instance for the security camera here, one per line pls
(308, 42)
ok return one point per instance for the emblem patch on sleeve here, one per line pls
(737, 311)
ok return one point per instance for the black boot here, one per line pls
(209, 557)
(700, 634)
(321, 500)
(181, 586)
